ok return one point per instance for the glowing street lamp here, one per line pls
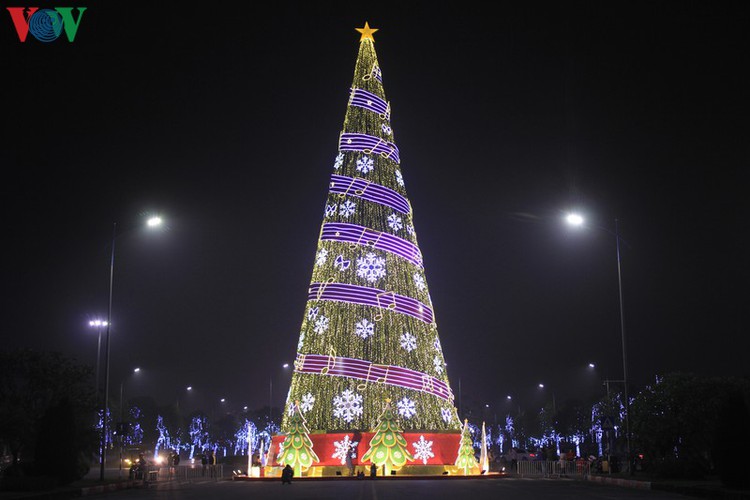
(578, 221)
(152, 223)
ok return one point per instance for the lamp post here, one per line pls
(121, 423)
(99, 325)
(152, 222)
(578, 221)
(270, 395)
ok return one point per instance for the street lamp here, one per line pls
(577, 220)
(152, 222)
(121, 423)
(554, 403)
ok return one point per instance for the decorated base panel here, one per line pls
(433, 453)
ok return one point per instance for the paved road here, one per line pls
(432, 489)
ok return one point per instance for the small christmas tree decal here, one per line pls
(388, 447)
(465, 459)
(297, 449)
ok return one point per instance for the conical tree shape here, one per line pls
(368, 330)
(388, 447)
(465, 459)
(297, 449)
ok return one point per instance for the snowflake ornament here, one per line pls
(301, 341)
(308, 400)
(330, 210)
(399, 178)
(386, 129)
(321, 324)
(408, 341)
(419, 282)
(347, 208)
(343, 448)
(364, 328)
(410, 229)
(339, 161)
(371, 267)
(365, 164)
(320, 259)
(438, 363)
(394, 221)
(347, 405)
(437, 345)
(423, 450)
(406, 408)
(312, 313)
(447, 415)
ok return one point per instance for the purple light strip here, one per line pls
(355, 294)
(368, 144)
(370, 372)
(374, 72)
(368, 100)
(360, 235)
(356, 186)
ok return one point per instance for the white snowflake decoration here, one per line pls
(438, 364)
(419, 282)
(437, 344)
(301, 340)
(423, 450)
(365, 328)
(308, 400)
(347, 208)
(406, 408)
(330, 210)
(394, 221)
(399, 178)
(321, 324)
(408, 341)
(447, 415)
(343, 448)
(410, 229)
(312, 313)
(339, 161)
(347, 405)
(371, 267)
(386, 129)
(321, 258)
(365, 164)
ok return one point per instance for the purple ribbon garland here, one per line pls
(356, 186)
(371, 372)
(370, 101)
(356, 294)
(360, 235)
(369, 145)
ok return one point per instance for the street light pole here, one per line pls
(624, 350)
(577, 220)
(105, 408)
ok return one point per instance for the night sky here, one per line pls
(225, 120)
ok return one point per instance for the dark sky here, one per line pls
(225, 119)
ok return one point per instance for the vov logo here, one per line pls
(46, 25)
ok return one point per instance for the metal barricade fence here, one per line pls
(553, 468)
(188, 472)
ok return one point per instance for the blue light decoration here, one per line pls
(245, 435)
(198, 434)
(162, 441)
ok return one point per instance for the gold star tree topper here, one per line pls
(366, 32)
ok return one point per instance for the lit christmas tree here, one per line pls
(297, 449)
(368, 331)
(388, 447)
(465, 459)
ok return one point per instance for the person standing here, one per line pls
(286, 474)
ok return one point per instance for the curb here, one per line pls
(618, 481)
(103, 488)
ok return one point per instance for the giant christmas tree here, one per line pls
(369, 332)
